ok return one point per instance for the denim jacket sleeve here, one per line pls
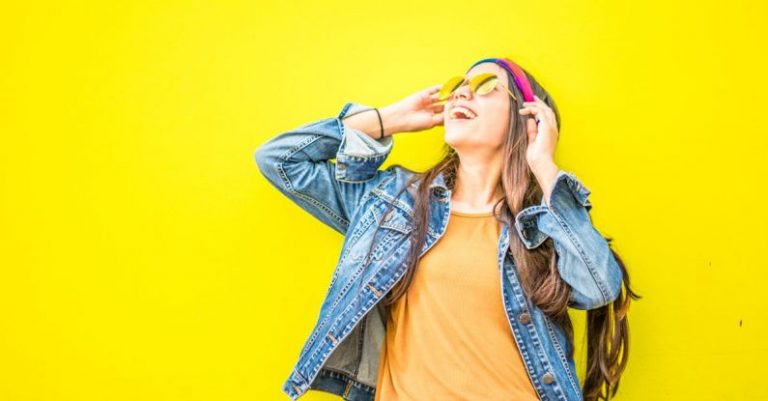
(584, 259)
(297, 163)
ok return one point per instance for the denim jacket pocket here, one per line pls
(393, 226)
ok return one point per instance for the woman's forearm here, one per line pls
(368, 122)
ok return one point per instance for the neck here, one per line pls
(478, 183)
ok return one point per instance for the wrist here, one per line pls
(543, 166)
(545, 172)
(392, 119)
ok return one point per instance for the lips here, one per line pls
(463, 106)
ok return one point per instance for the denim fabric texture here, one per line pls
(341, 354)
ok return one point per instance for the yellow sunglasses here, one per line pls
(480, 84)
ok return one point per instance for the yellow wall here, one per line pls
(143, 256)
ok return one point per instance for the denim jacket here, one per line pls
(341, 354)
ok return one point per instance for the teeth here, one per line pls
(464, 111)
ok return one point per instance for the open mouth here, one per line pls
(460, 113)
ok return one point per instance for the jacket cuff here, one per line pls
(359, 155)
(568, 191)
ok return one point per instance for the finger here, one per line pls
(533, 115)
(537, 100)
(531, 129)
(548, 114)
(437, 119)
(540, 104)
(530, 110)
(533, 111)
(535, 104)
(538, 112)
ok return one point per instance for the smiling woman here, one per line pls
(425, 252)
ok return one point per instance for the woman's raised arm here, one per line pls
(298, 163)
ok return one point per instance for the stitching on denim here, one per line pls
(360, 344)
(366, 218)
(537, 344)
(360, 157)
(397, 222)
(386, 243)
(526, 219)
(297, 390)
(582, 254)
(397, 202)
(289, 185)
(561, 353)
(345, 330)
(315, 332)
(336, 273)
(337, 374)
(403, 207)
(574, 186)
(516, 334)
(349, 284)
(578, 189)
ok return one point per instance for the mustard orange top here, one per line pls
(448, 337)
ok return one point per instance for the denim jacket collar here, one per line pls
(439, 182)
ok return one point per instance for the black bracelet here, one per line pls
(381, 124)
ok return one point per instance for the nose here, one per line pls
(462, 91)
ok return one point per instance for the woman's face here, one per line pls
(489, 127)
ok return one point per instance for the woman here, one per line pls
(454, 283)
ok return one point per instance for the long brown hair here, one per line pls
(607, 326)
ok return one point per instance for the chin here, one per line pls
(456, 138)
(451, 136)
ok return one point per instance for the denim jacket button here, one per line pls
(525, 318)
(548, 378)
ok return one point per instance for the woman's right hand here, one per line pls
(419, 111)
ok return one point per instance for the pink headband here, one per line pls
(521, 81)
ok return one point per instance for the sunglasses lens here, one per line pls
(484, 83)
(450, 86)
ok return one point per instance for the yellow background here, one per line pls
(145, 258)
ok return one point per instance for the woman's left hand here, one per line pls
(542, 137)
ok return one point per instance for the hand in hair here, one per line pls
(542, 141)
(542, 136)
